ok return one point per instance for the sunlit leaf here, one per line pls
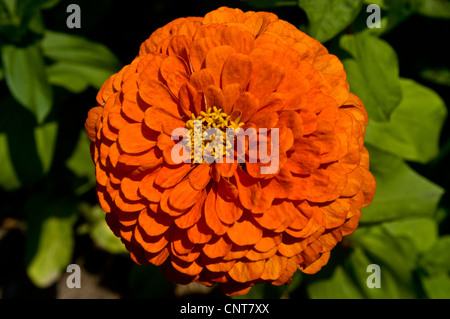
(77, 77)
(401, 192)
(356, 266)
(50, 241)
(63, 47)
(437, 258)
(437, 286)
(329, 17)
(435, 8)
(373, 74)
(396, 255)
(338, 286)
(421, 232)
(412, 132)
(26, 78)
(100, 232)
(79, 62)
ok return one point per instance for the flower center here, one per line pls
(209, 130)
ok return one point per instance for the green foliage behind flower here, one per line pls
(49, 76)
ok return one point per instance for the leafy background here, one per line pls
(50, 74)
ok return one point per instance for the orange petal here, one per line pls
(200, 49)
(317, 265)
(159, 120)
(215, 60)
(245, 232)
(179, 46)
(129, 188)
(91, 122)
(236, 69)
(214, 97)
(238, 38)
(274, 267)
(150, 158)
(200, 233)
(219, 246)
(192, 215)
(136, 138)
(154, 224)
(248, 104)
(152, 244)
(269, 240)
(335, 213)
(255, 255)
(202, 79)
(231, 93)
(158, 258)
(200, 176)
(171, 65)
(184, 196)
(157, 94)
(130, 103)
(219, 265)
(187, 268)
(247, 271)
(176, 80)
(211, 218)
(228, 211)
(291, 268)
(306, 157)
(249, 189)
(274, 216)
(169, 176)
(265, 79)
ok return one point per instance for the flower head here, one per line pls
(220, 221)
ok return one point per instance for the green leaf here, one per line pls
(99, 230)
(81, 164)
(393, 13)
(395, 255)
(373, 74)
(8, 178)
(435, 8)
(26, 79)
(45, 136)
(77, 77)
(401, 192)
(414, 127)
(437, 286)
(62, 47)
(79, 61)
(27, 148)
(49, 241)
(437, 258)
(356, 267)
(329, 17)
(338, 285)
(421, 232)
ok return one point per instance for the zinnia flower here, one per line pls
(228, 223)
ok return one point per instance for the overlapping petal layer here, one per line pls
(227, 223)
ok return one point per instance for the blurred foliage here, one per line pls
(49, 76)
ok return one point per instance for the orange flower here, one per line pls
(228, 223)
